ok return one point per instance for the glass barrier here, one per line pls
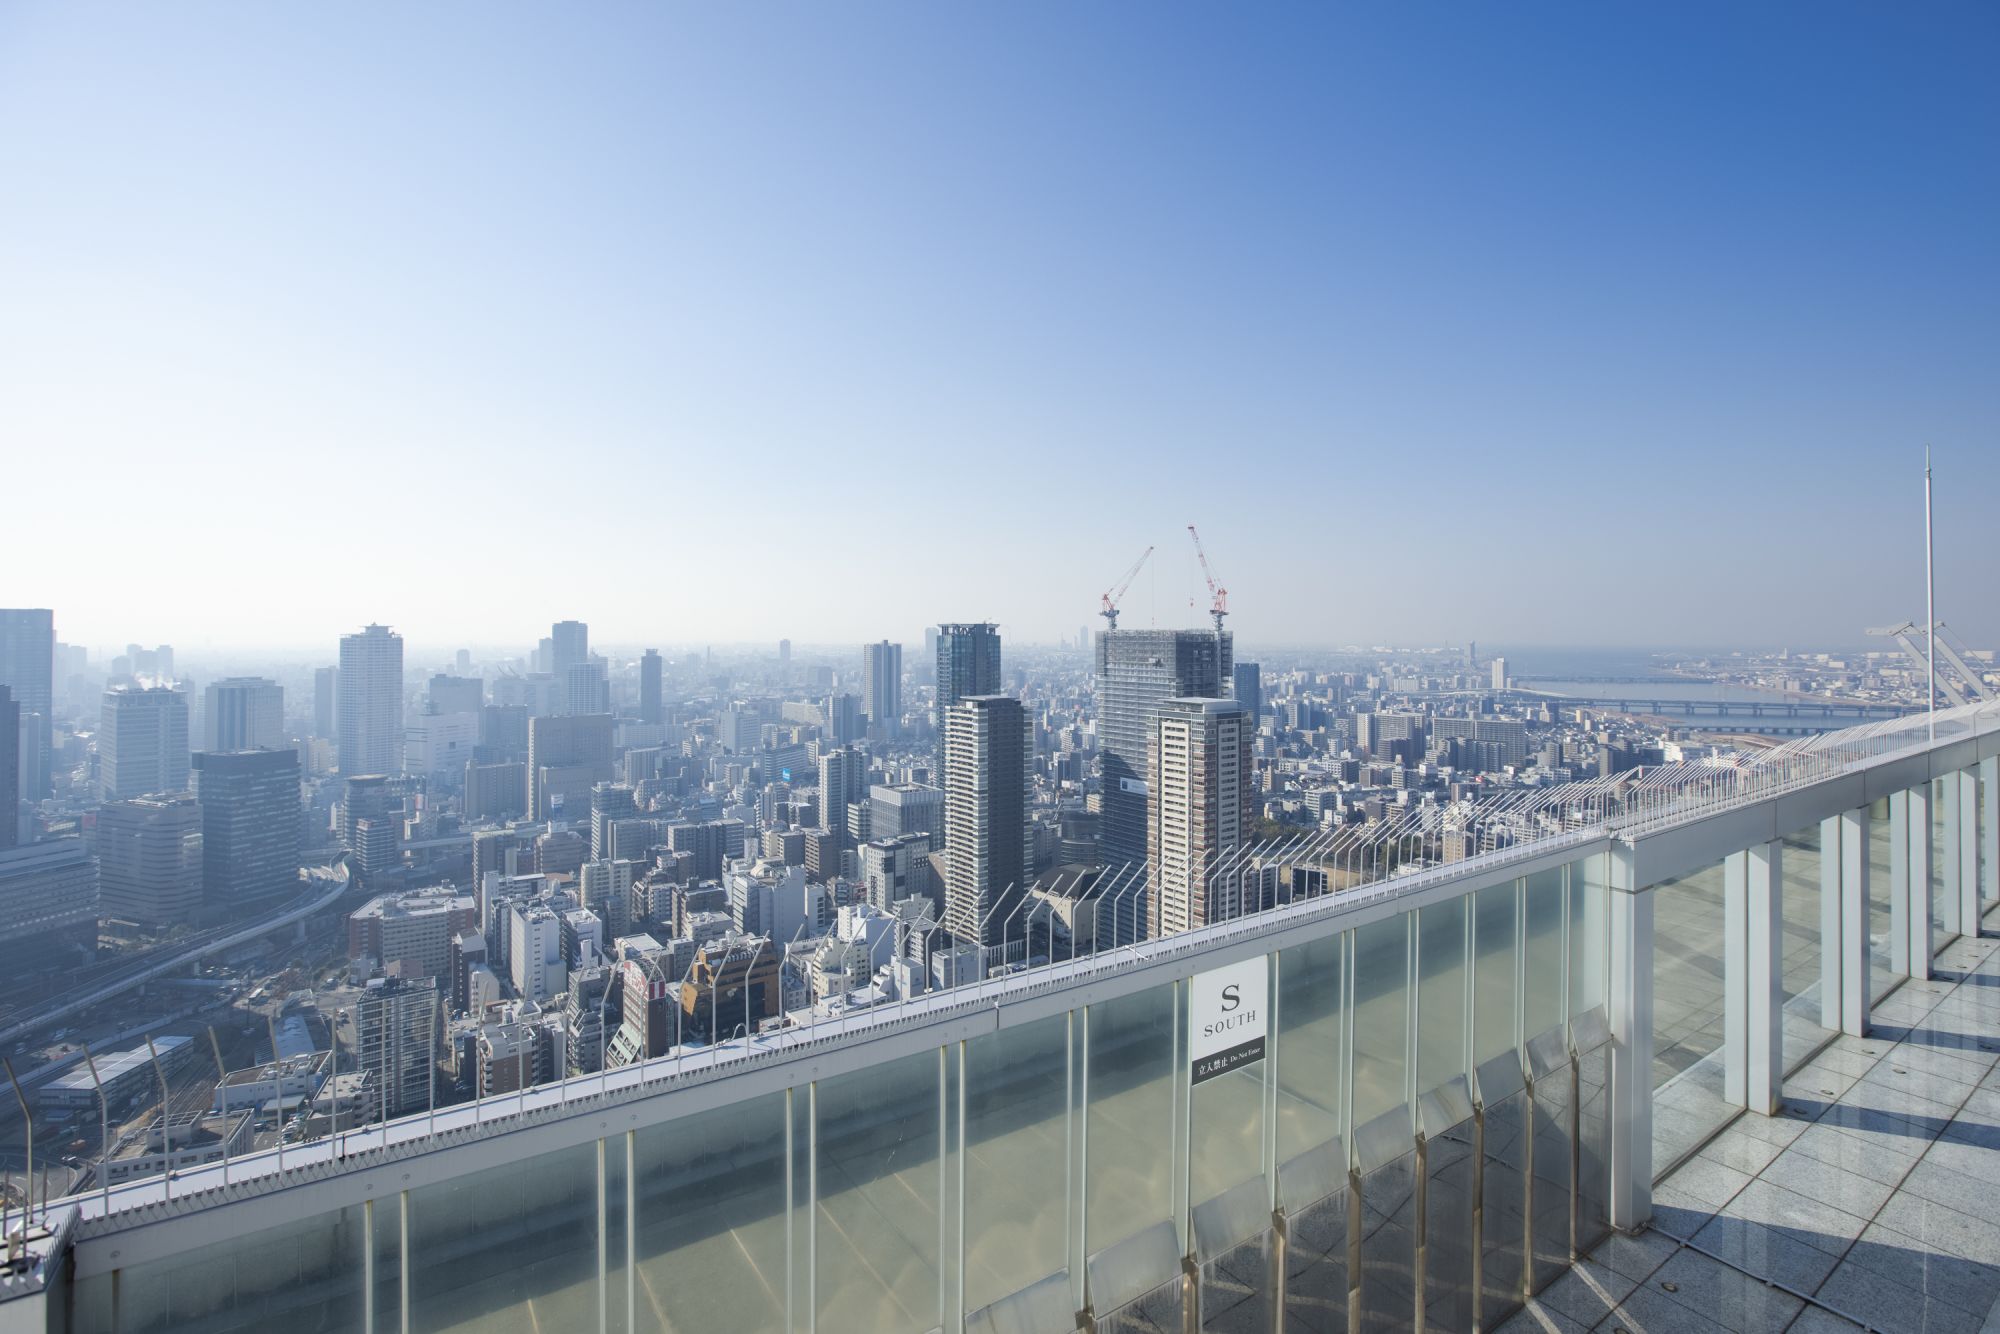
(1688, 1102)
(1799, 961)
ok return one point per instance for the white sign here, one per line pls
(1230, 1015)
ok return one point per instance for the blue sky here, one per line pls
(1572, 324)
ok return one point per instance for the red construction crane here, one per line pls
(1116, 593)
(1218, 606)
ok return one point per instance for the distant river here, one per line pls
(1666, 687)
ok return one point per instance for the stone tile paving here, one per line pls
(1871, 1201)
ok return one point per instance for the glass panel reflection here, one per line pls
(1016, 1164)
(877, 1239)
(1688, 1103)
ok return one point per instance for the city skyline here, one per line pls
(1517, 272)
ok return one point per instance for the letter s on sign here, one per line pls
(1231, 997)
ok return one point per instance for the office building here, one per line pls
(968, 664)
(1137, 671)
(395, 1036)
(1201, 812)
(249, 824)
(711, 843)
(882, 683)
(142, 742)
(609, 802)
(586, 688)
(906, 808)
(10, 769)
(843, 779)
(440, 745)
(650, 708)
(495, 792)
(569, 646)
(455, 694)
(372, 826)
(369, 715)
(845, 720)
(989, 740)
(149, 859)
(567, 755)
(607, 891)
(326, 691)
(534, 951)
(48, 906)
(1499, 673)
(243, 713)
(410, 935)
(27, 669)
(1248, 689)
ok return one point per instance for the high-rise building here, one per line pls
(844, 724)
(843, 779)
(1200, 802)
(649, 688)
(609, 802)
(395, 1036)
(27, 669)
(785, 658)
(243, 713)
(1499, 673)
(586, 688)
(149, 858)
(142, 742)
(906, 808)
(48, 906)
(455, 694)
(372, 826)
(968, 664)
(989, 740)
(566, 756)
(607, 891)
(369, 715)
(249, 824)
(569, 645)
(10, 768)
(1137, 671)
(882, 676)
(1248, 686)
(534, 951)
(325, 692)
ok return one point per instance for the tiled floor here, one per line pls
(1871, 1201)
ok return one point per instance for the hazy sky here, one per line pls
(1580, 324)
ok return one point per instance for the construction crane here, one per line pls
(1116, 593)
(1218, 606)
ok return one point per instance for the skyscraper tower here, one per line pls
(988, 742)
(249, 824)
(569, 642)
(649, 688)
(1137, 671)
(10, 769)
(1200, 811)
(324, 693)
(968, 664)
(369, 715)
(142, 742)
(882, 673)
(27, 668)
(1249, 688)
(243, 713)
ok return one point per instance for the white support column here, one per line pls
(1989, 830)
(1899, 883)
(1950, 870)
(1736, 979)
(1967, 845)
(1917, 856)
(1629, 1007)
(1832, 940)
(1856, 978)
(1766, 978)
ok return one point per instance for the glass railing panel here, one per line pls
(1017, 1187)
(1226, 1146)
(300, 1276)
(1688, 1101)
(1381, 1025)
(1545, 950)
(1308, 1047)
(711, 1226)
(1589, 941)
(1496, 1013)
(877, 1241)
(1944, 912)
(1504, 1195)
(1442, 996)
(1133, 1058)
(510, 1250)
(1799, 960)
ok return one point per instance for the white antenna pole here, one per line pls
(1930, 604)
